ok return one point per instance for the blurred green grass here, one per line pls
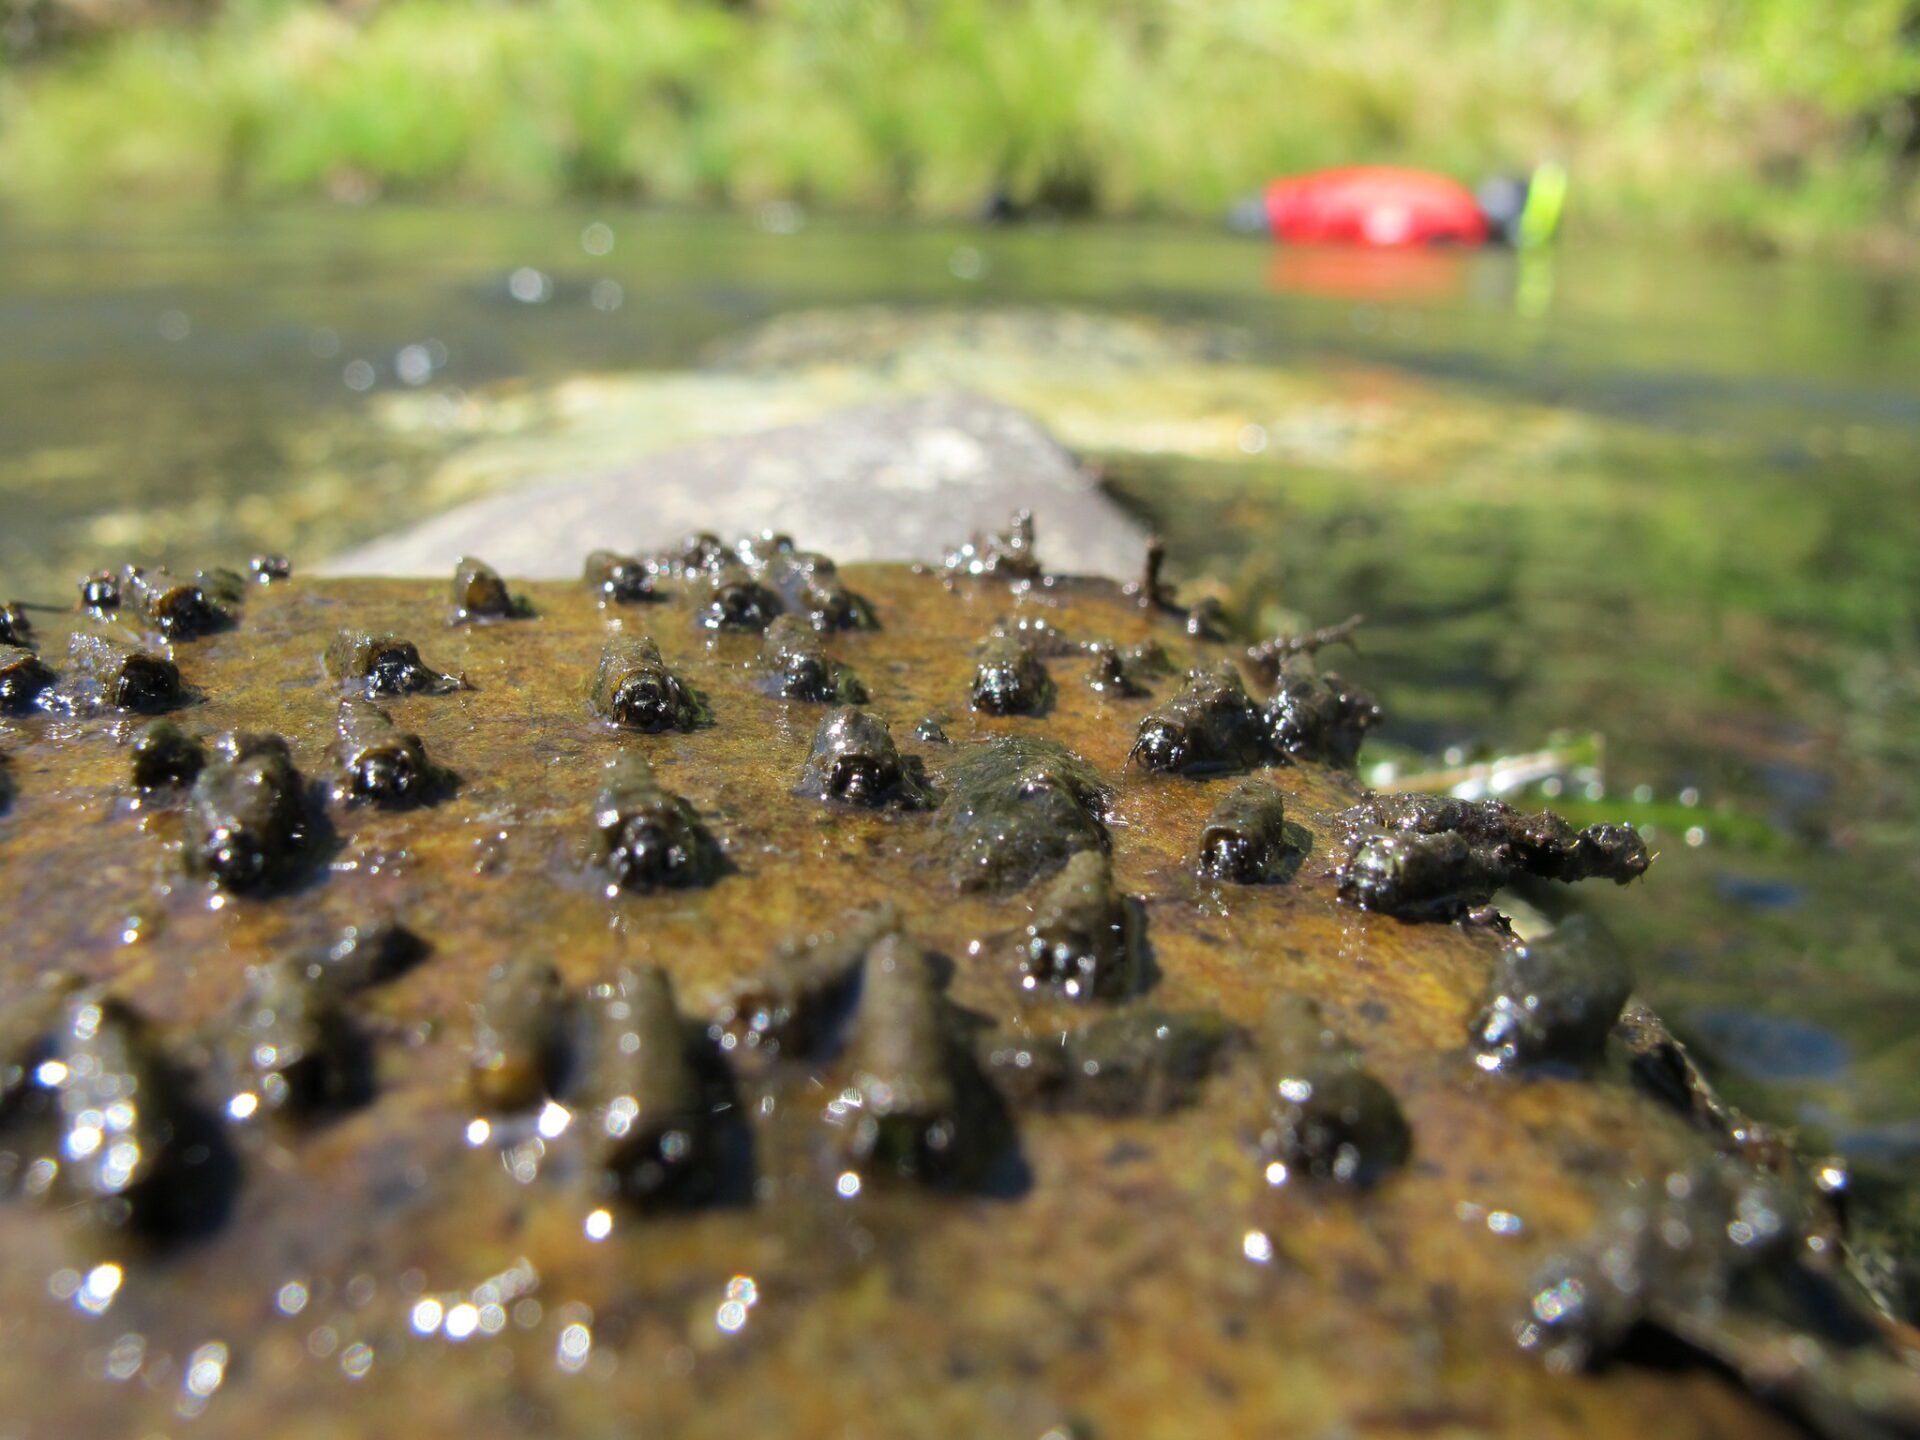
(1784, 123)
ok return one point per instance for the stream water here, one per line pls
(1663, 499)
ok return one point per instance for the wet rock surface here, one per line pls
(864, 1177)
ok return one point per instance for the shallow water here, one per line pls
(1663, 498)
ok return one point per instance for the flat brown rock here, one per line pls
(414, 1264)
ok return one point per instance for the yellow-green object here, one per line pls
(1546, 198)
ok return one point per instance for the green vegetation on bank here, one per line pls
(1777, 121)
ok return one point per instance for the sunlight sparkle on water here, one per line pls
(96, 1292)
